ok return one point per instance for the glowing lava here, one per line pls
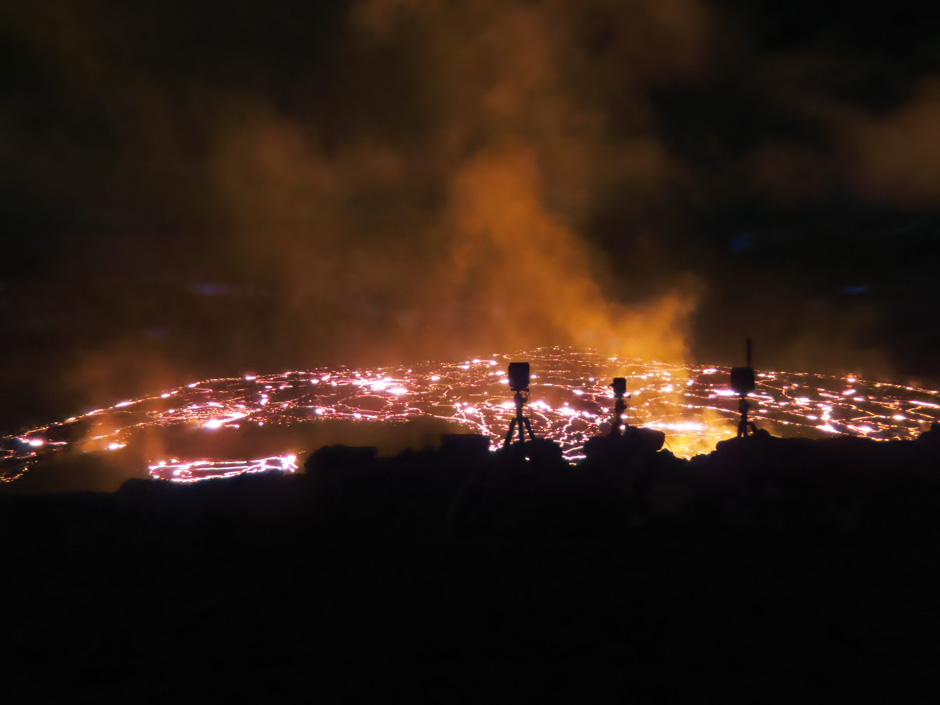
(570, 402)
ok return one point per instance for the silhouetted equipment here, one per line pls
(519, 383)
(620, 388)
(624, 442)
(742, 378)
(742, 382)
(519, 376)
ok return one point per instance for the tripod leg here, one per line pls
(528, 428)
(512, 427)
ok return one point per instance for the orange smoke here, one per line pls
(472, 238)
(521, 277)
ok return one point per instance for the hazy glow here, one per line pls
(570, 402)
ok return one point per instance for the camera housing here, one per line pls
(742, 380)
(620, 386)
(519, 376)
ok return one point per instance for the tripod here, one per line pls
(520, 420)
(742, 382)
(745, 427)
(619, 407)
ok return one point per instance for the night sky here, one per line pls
(208, 188)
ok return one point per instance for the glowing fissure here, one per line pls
(570, 402)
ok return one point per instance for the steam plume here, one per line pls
(469, 237)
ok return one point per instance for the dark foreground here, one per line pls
(768, 570)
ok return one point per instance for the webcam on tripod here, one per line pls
(519, 383)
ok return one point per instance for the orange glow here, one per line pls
(570, 402)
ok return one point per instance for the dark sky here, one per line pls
(211, 187)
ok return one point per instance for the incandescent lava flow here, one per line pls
(570, 402)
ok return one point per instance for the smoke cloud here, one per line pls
(895, 157)
(470, 235)
(193, 189)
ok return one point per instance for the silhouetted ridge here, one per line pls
(767, 557)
